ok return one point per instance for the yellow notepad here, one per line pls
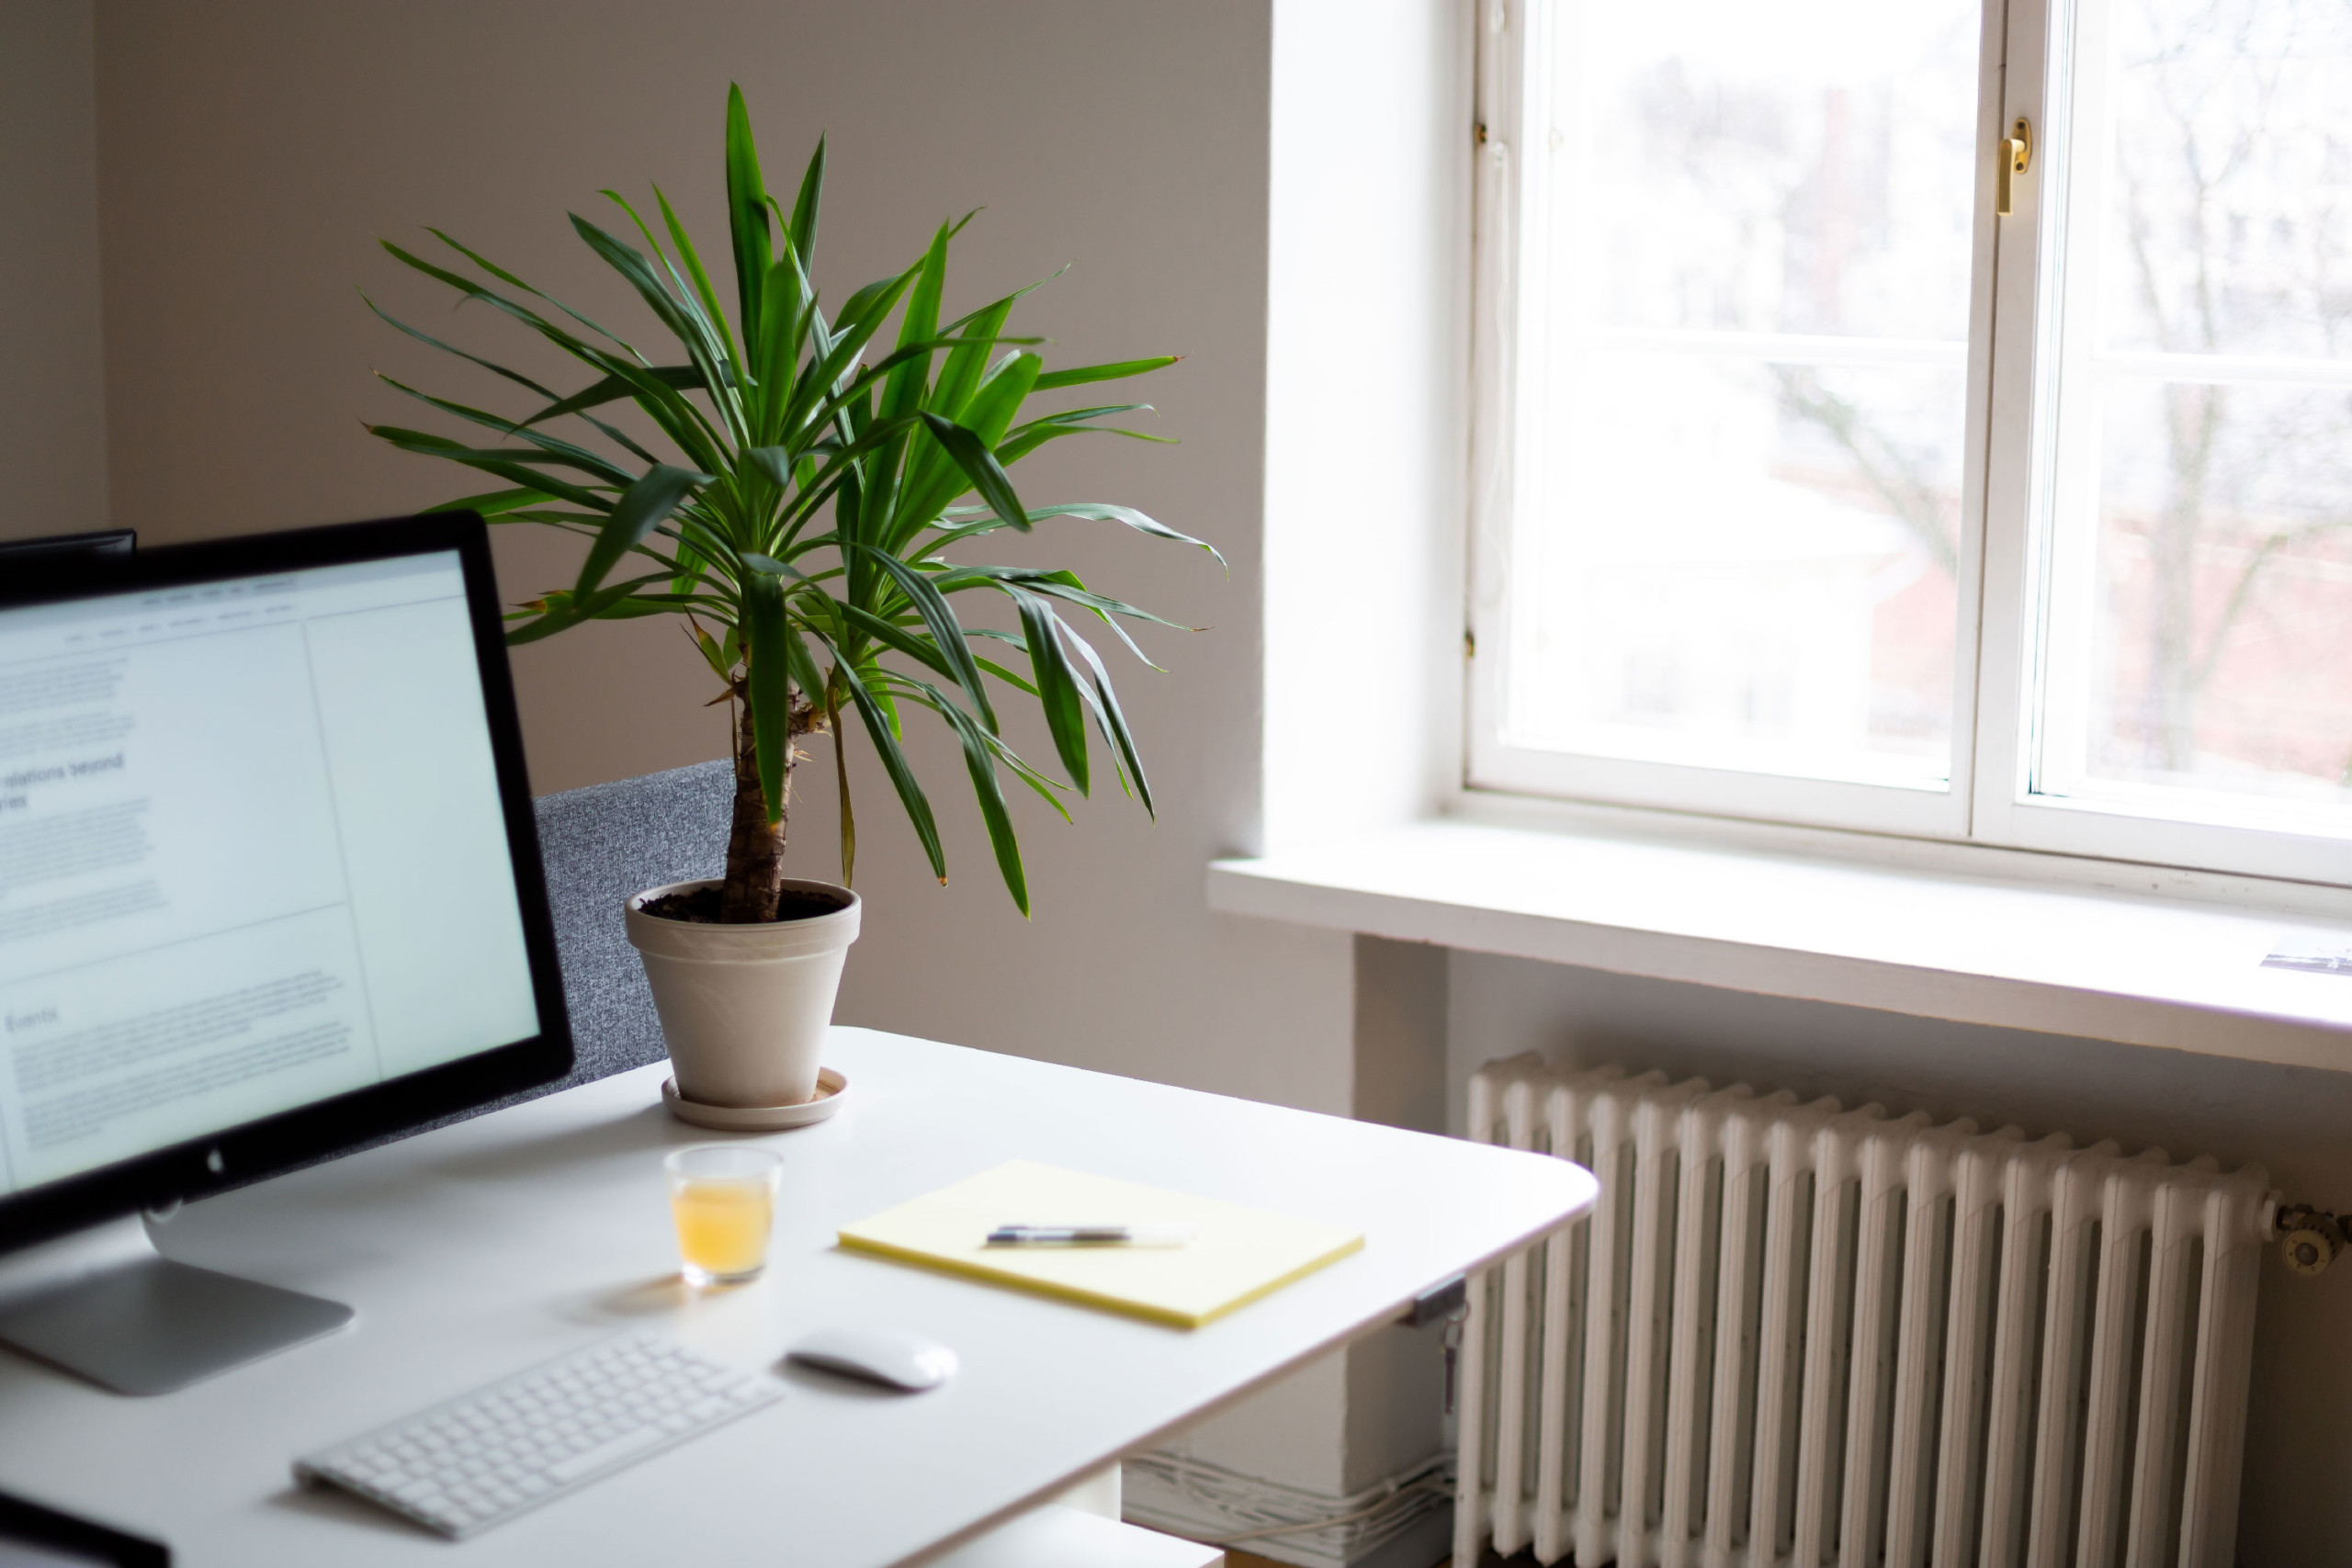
(1239, 1254)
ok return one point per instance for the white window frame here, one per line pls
(2006, 540)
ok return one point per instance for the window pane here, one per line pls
(1739, 514)
(2199, 653)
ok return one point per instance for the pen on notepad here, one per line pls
(1171, 1232)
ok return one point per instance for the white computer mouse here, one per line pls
(891, 1356)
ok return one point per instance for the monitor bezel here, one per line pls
(252, 1151)
(114, 543)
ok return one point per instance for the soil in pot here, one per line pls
(700, 906)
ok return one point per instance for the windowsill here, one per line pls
(2176, 972)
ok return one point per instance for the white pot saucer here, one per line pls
(832, 1090)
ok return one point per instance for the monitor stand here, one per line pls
(104, 1304)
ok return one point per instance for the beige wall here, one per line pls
(53, 409)
(252, 153)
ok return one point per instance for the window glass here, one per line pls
(2198, 651)
(1745, 304)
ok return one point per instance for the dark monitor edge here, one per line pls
(252, 1151)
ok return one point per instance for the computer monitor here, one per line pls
(270, 889)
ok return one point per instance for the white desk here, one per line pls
(479, 1248)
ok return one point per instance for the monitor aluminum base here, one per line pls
(104, 1304)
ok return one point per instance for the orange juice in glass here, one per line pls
(723, 1198)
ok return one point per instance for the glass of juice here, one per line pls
(723, 1197)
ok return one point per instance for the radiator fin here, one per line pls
(1796, 1335)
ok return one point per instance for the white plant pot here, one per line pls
(744, 1009)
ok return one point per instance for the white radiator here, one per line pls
(1793, 1335)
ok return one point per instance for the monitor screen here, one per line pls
(252, 856)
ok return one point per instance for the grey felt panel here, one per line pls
(599, 845)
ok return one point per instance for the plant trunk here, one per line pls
(755, 881)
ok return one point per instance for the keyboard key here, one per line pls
(590, 1461)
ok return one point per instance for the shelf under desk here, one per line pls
(479, 1248)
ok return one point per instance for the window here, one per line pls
(1812, 486)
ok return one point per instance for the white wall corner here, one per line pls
(1367, 394)
(1367, 389)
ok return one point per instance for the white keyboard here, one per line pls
(478, 1461)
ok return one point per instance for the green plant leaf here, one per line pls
(1036, 434)
(988, 665)
(522, 458)
(907, 383)
(1083, 416)
(899, 640)
(677, 418)
(1057, 692)
(1086, 373)
(785, 299)
(501, 462)
(747, 212)
(841, 349)
(693, 258)
(1049, 789)
(507, 277)
(517, 378)
(959, 374)
(802, 230)
(839, 469)
(988, 792)
(799, 663)
(946, 631)
(691, 562)
(613, 388)
(853, 389)
(713, 656)
(635, 606)
(882, 729)
(653, 248)
(529, 318)
(1059, 585)
(1105, 512)
(993, 405)
(972, 521)
(981, 467)
(936, 476)
(685, 322)
(562, 609)
(550, 448)
(840, 780)
(655, 390)
(496, 502)
(769, 688)
(496, 369)
(643, 504)
(1112, 723)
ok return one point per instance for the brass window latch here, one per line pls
(2016, 157)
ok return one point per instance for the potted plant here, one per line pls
(801, 523)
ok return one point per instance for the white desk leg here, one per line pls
(1097, 1494)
